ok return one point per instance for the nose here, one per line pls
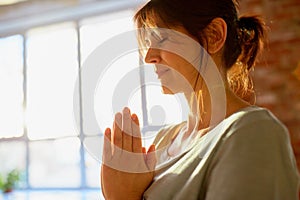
(153, 56)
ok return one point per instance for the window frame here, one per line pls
(17, 29)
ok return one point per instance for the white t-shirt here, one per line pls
(248, 156)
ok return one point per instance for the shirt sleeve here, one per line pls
(254, 162)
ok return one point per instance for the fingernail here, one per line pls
(152, 147)
(134, 117)
(126, 110)
(118, 116)
(107, 131)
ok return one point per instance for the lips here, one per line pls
(161, 72)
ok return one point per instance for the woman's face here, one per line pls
(175, 55)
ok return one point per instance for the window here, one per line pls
(38, 74)
(52, 69)
(12, 152)
(11, 86)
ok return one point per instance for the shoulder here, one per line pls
(255, 158)
(255, 114)
(256, 122)
(258, 133)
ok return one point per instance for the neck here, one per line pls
(200, 109)
(211, 107)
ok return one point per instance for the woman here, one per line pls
(228, 148)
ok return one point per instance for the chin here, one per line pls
(167, 90)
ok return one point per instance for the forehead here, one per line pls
(176, 33)
(158, 24)
(154, 22)
(151, 17)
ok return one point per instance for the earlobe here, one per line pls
(216, 33)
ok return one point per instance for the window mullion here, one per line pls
(143, 93)
(25, 136)
(81, 135)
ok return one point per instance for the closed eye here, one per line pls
(155, 38)
(147, 43)
(160, 38)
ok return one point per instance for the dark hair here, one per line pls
(245, 35)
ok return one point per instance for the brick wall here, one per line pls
(277, 76)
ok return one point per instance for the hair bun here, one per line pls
(251, 35)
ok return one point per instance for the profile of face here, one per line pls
(175, 55)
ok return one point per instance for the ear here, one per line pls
(215, 34)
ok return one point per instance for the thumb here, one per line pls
(151, 158)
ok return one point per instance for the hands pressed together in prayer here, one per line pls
(127, 169)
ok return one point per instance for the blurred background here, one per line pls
(44, 43)
(277, 75)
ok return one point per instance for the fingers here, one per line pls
(144, 154)
(123, 145)
(117, 133)
(136, 135)
(151, 158)
(107, 153)
(127, 130)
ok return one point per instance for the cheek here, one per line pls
(174, 61)
(169, 59)
(183, 75)
(182, 68)
(185, 49)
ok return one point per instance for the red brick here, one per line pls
(277, 74)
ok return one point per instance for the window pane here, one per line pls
(162, 110)
(52, 73)
(11, 86)
(54, 195)
(95, 31)
(92, 167)
(108, 95)
(148, 138)
(118, 87)
(13, 156)
(55, 163)
(165, 109)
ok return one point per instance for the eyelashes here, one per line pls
(147, 43)
(155, 41)
(158, 39)
(155, 38)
